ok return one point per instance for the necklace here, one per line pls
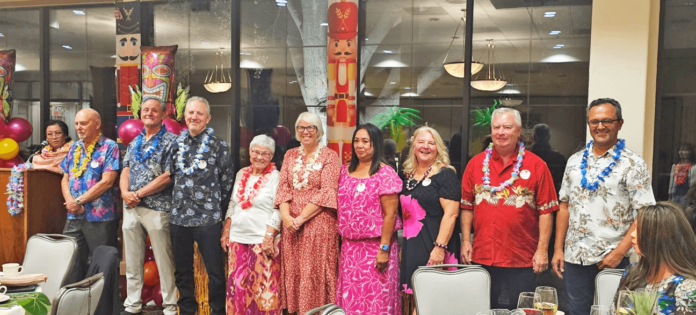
(198, 162)
(47, 151)
(413, 174)
(296, 182)
(513, 177)
(605, 172)
(80, 165)
(246, 202)
(139, 157)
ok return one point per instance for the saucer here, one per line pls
(4, 298)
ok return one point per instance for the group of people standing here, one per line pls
(283, 228)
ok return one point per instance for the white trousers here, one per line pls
(136, 221)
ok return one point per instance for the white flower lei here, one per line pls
(199, 153)
(298, 167)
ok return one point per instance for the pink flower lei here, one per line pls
(246, 203)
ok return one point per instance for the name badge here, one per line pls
(426, 182)
(317, 166)
(202, 164)
(525, 174)
(94, 164)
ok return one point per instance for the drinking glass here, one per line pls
(624, 303)
(546, 300)
(526, 303)
(599, 310)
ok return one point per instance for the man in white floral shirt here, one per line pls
(603, 188)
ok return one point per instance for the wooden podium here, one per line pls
(44, 212)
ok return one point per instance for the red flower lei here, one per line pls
(246, 203)
(681, 171)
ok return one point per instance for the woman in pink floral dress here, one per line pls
(368, 276)
(306, 198)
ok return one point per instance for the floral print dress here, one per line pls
(677, 295)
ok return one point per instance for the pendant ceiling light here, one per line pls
(456, 68)
(493, 79)
(217, 81)
(510, 92)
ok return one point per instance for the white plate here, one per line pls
(4, 298)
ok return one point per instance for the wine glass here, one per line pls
(546, 300)
(600, 310)
(526, 303)
(624, 303)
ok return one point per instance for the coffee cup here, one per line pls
(11, 269)
(3, 289)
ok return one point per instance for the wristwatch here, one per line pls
(384, 247)
(77, 201)
(269, 234)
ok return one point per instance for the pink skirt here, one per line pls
(253, 281)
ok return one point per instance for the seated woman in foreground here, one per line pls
(666, 245)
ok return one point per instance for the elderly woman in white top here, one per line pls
(250, 233)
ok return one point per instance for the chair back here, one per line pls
(324, 310)
(335, 311)
(79, 298)
(606, 285)
(465, 291)
(52, 255)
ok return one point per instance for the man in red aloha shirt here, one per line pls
(508, 195)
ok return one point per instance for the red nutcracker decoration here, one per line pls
(342, 72)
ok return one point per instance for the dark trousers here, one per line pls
(89, 236)
(580, 284)
(106, 261)
(511, 282)
(208, 239)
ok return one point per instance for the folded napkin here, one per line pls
(22, 280)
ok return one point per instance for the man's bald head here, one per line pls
(87, 124)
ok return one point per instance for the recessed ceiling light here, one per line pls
(282, 3)
(558, 46)
(324, 24)
(549, 14)
(205, 43)
(67, 47)
(368, 94)
(113, 56)
(292, 82)
(2, 35)
(409, 94)
(407, 88)
(78, 12)
(386, 51)
(367, 38)
(392, 82)
(554, 32)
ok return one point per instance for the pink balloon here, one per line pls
(146, 293)
(157, 295)
(172, 126)
(13, 162)
(130, 129)
(18, 129)
(3, 129)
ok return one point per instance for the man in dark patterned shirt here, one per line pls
(202, 174)
(146, 190)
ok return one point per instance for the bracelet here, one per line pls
(270, 234)
(440, 245)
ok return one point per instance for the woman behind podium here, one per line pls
(59, 142)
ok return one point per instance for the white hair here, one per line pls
(313, 119)
(199, 99)
(504, 110)
(263, 141)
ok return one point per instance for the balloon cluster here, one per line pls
(151, 289)
(12, 132)
(131, 128)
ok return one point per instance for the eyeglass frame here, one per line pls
(55, 135)
(604, 122)
(311, 128)
(257, 153)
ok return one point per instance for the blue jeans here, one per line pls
(208, 239)
(580, 284)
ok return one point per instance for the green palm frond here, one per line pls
(483, 117)
(180, 102)
(395, 118)
(136, 99)
(6, 106)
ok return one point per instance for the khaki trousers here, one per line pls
(136, 222)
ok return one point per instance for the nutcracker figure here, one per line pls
(342, 72)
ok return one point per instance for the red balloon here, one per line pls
(172, 126)
(13, 162)
(157, 295)
(130, 129)
(149, 256)
(3, 129)
(150, 273)
(18, 129)
(146, 293)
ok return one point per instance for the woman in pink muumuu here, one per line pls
(368, 276)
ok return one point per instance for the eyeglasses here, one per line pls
(605, 122)
(308, 128)
(54, 134)
(263, 154)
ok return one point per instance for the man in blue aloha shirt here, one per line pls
(90, 169)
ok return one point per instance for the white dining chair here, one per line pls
(606, 285)
(52, 255)
(465, 291)
(79, 298)
(323, 310)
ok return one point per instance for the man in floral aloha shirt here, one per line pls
(90, 169)
(603, 188)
